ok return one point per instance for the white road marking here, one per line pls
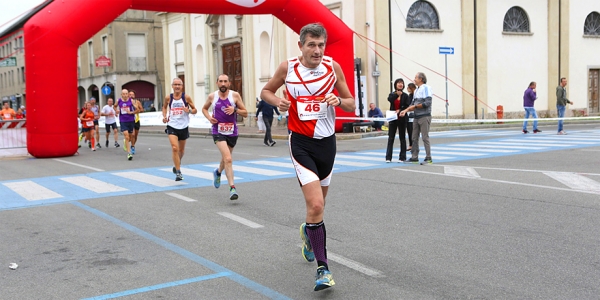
(585, 140)
(360, 158)
(31, 190)
(265, 172)
(461, 171)
(352, 163)
(181, 197)
(240, 220)
(481, 145)
(472, 148)
(287, 165)
(79, 165)
(521, 145)
(149, 179)
(549, 143)
(499, 181)
(574, 181)
(354, 265)
(93, 184)
(196, 173)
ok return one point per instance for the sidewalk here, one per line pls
(277, 132)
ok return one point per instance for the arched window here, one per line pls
(592, 24)
(516, 20)
(422, 15)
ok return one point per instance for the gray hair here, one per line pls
(313, 29)
(422, 76)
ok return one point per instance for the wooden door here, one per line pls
(182, 77)
(232, 65)
(594, 91)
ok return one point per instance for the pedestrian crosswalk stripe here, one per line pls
(352, 163)
(546, 143)
(280, 164)
(473, 148)
(575, 181)
(360, 158)
(93, 185)
(396, 152)
(515, 145)
(479, 145)
(563, 138)
(461, 171)
(195, 173)
(150, 179)
(32, 191)
(244, 169)
(557, 141)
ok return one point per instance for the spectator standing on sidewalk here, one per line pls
(259, 118)
(561, 103)
(421, 105)
(398, 101)
(529, 98)
(267, 114)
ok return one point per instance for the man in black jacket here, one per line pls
(267, 114)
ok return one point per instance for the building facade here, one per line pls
(12, 69)
(513, 43)
(133, 45)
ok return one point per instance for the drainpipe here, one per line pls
(475, 56)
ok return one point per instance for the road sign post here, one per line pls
(446, 51)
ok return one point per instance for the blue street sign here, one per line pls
(106, 90)
(446, 50)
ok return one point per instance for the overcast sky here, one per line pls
(14, 9)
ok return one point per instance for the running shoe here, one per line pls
(132, 149)
(307, 251)
(117, 145)
(93, 149)
(106, 143)
(267, 144)
(428, 160)
(324, 279)
(129, 157)
(178, 176)
(98, 146)
(89, 144)
(80, 136)
(388, 161)
(216, 178)
(233, 195)
(272, 143)
(525, 131)
(561, 132)
(413, 160)
(536, 131)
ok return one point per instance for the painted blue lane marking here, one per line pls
(441, 153)
(159, 286)
(187, 254)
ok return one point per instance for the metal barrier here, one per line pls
(13, 134)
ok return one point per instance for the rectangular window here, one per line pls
(105, 45)
(179, 52)
(23, 73)
(136, 52)
(91, 58)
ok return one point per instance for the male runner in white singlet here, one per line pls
(176, 113)
(310, 80)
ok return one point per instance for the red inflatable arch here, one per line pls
(54, 34)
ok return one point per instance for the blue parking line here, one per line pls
(159, 286)
(187, 254)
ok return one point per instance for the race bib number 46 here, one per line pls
(225, 128)
(311, 108)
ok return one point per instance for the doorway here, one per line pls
(593, 91)
(232, 65)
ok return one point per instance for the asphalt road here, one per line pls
(473, 225)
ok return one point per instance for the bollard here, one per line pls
(499, 113)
